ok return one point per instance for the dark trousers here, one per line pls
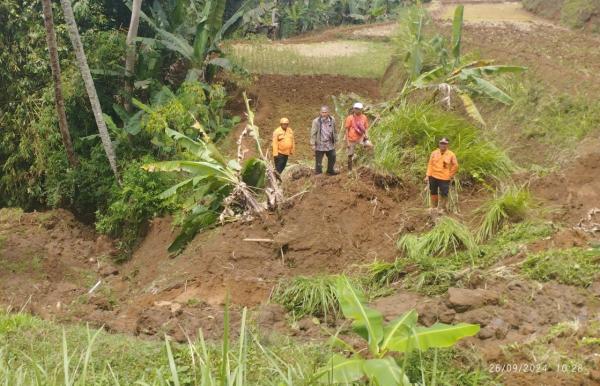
(330, 161)
(439, 187)
(280, 162)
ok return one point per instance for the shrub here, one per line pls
(133, 204)
(575, 266)
(405, 139)
(511, 205)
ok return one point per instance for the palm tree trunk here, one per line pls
(89, 84)
(130, 56)
(56, 76)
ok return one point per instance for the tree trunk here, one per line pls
(58, 94)
(89, 85)
(130, 56)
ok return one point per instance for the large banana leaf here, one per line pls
(457, 26)
(437, 336)
(254, 172)
(491, 70)
(397, 327)
(484, 87)
(471, 108)
(340, 369)
(368, 322)
(385, 372)
(426, 78)
(197, 168)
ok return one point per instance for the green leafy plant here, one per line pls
(401, 335)
(215, 187)
(450, 75)
(509, 205)
(203, 54)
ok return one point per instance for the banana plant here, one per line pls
(203, 54)
(401, 335)
(214, 189)
(453, 77)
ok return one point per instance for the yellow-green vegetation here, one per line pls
(349, 58)
(303, 296)
(575, 266)
(509, 205)
(573, 13)
(434, 275)
(407, 136)
(39, 352)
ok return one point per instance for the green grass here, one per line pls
(363, 59)
(561, 120)
(405, 139)
(448, 236)
(434, 275)
(510, 205)
(309, 296)
(36, 352)
(575, 266)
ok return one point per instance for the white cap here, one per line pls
(358, 105)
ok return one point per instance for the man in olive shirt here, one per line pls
(323, 141)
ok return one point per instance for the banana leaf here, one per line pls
(368, 322)
(341, 370)
(437, 336)
(471, 108)
(457, 27)
(386, 372)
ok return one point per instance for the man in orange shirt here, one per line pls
(283, 144)
(441, 169)
(356, 126)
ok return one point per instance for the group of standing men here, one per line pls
(323, 139)
(441, 168)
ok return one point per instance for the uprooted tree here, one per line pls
(218, 189)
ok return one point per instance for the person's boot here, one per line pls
(434, 204)
(443, 205)
(349, 163)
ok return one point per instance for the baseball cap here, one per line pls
(358, 105)
(444, 140)
(284, 120)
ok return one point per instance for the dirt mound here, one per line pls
(299, 98)
(575, 189)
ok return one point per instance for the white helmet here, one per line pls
(358, 105)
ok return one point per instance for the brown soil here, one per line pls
(575, 189)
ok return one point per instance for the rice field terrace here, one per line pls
(164, 219)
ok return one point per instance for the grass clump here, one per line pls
(574, 266)
(448, 236)
(510, 205)
(434, 275)
(408, 136)
(309, 296)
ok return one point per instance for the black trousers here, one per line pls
(330, 161)
(280, 162)
(441, 187)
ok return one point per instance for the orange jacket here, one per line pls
(283, 142)
(442, 166)
(351, 133)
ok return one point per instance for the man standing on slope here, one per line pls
(441, 169)
(283, 144)
(356, 126)
(323, 140)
